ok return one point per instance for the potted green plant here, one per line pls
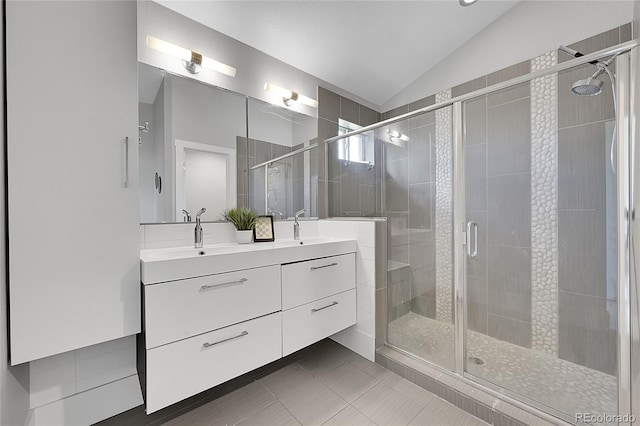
(244, 221)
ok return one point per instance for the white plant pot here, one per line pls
(244, 237)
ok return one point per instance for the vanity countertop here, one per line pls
(169, 264)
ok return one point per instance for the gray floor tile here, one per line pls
(361, 362)
(386, 406)
(283, 380)
(203, 415)
(313, 403)
(439, 412)
(242, 403)
(323, 355)
(379, 373)
(348, 381)
(274, 415)
(317, 367)
(413, 391)
(349, 417)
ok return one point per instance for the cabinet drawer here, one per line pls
(314, 321)
(180, 309)
(304, 282)
(179, 370)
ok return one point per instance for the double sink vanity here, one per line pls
(217, 312)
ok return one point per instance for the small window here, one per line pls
(357, 148)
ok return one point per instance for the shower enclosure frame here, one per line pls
(625, 188)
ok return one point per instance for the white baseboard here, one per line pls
(357, 341)
(91, 406)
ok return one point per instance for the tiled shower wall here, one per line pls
(498, 199)
(410, 197)
(500, 196)
(344, 190)
(587, 326)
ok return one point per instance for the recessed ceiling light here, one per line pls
(467, 2)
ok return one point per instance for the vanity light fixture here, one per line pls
(289, 96)
(192, 61)
(395, 135)
(467, 2)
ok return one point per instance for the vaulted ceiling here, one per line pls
(372, 49)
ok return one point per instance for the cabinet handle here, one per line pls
(313, 268)
(208, 345)
(210, 286)
(126, 162)
(324, 307)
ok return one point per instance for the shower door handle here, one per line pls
(474, 252)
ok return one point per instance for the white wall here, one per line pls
(205, 114)
(57, 381)
(529, 29)
(254, 68)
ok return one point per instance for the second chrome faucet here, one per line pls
(198, 230)
(296, 225)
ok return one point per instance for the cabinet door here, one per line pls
(73, 225)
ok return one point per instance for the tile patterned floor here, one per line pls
(329, 385)
(536, 375)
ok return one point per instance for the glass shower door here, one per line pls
(418, 204)
(541, 282)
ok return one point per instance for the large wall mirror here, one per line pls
(202, 146)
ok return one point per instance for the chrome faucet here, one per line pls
(187, 215)
(279, 213)
(296, 225)
(198, 230)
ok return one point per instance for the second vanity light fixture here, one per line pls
(289, 96)
(396, 136)
(192, 61)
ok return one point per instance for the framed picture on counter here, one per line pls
(263, 232)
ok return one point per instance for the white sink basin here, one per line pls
(160, 265)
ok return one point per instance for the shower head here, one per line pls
(273, 169)
(590, 86)
(587, 87)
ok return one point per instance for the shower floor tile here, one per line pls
(541, 377)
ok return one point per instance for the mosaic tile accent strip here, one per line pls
(444, 211)
(544, 207)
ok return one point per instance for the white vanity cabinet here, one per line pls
(202, 331)
(72, 135)
(318, 297)
(181, 309)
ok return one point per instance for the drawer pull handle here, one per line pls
(208, 345)
(210, 286)
(313, 268)
(324, 307)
